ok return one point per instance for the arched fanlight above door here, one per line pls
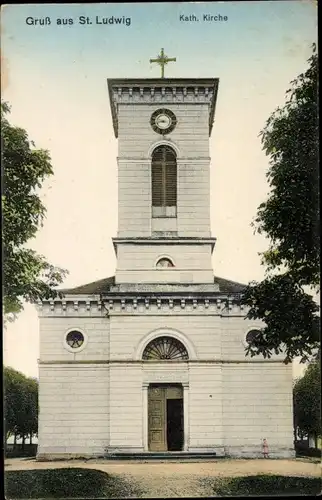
(165, 348)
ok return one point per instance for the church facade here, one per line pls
(153, 358)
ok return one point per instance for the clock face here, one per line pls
(163, 121)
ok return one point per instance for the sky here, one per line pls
(54, 77)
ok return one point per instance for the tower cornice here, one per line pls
(140, 303)
(161, 82)
(159, 240)
(162, 91)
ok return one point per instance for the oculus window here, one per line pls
(75, 339)
(251, 335)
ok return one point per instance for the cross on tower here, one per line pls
(162, 60)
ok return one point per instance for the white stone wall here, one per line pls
(92, 401)
(136, 263)
(73, 398)
(232, 406)
(126, 407)
(53, 331)
(213, 337)
(136, 141)
(233, 339)
(127, 333)
(164, 276)
(205, 405)
(257, 404)
(73, 410)
(134, 198)
(136, 136)
(194, 197)
(154, 373)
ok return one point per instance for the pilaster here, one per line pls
(186, 409)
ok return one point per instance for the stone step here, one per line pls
(164, 456)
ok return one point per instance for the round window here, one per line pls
(251, 335)
(75, 339)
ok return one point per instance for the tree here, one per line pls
(20, 404)
(27, 424)
(307, 401)
(27, 275)
(13, 399)
(290, 218)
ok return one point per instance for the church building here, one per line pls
(152, 360)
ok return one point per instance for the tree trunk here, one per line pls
(30, 437)
(7, 435)
(15, 441)
(315, 440)
(23, 442)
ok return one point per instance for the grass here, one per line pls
(68, 482)
(264, 485)
(79, 483)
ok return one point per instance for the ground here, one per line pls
(164, 479)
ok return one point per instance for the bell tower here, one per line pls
(163, 127)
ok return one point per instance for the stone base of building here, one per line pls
(256, 452)
(48, 457)
(137, 452)
(113, 450)
(217, 450)
(69, 453)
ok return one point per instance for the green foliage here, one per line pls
(266, 485)
(14, 399)
(290, 219)
(69, 482)
(302, 451)
(292, 326)
(26, 274)
(20, 403)
(290, 216)
(307, 401)
(28, 423)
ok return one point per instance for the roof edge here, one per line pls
(103, 286)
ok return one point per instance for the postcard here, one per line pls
(157, 177)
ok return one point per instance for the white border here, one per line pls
(73, 349)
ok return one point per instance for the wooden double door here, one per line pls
(165, 418)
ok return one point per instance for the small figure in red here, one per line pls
(265, 448)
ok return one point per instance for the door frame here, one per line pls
(145, 420)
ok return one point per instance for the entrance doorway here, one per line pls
(165, 417)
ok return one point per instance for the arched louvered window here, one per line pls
(163, 348)
(164, 182)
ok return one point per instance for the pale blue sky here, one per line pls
(55, 80)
